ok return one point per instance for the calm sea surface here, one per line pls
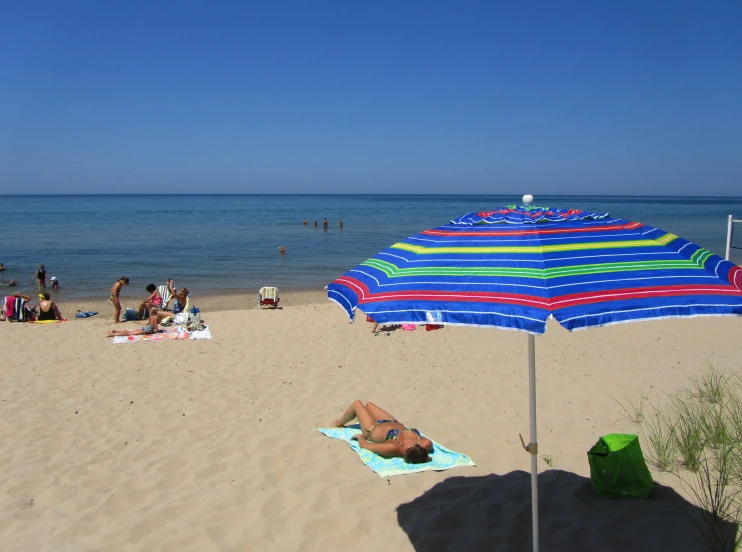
(226, 243)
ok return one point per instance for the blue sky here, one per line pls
(373, 97)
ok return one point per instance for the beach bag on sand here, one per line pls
(181, 318)
(131, 315)
(618, 469)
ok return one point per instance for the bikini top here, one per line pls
(392, 434)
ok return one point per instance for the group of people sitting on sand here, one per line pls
(47, 310)
(153, 308)
(154, 300)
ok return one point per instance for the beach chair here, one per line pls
(14, 308)
(166, 295)
(268, 296)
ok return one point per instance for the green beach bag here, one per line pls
(618, 469)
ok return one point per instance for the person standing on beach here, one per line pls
(40, 276)
(114, 298)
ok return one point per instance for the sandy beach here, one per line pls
(212, 444)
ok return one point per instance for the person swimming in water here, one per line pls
(340, 223)
(315, 224)
(282, 249)
(384, 435)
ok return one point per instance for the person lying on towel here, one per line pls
(384, 435)
(150, 328)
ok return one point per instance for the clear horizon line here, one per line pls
(41, 194)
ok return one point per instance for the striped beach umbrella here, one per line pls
(514, 267)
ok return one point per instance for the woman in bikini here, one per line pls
(384, 435)
(114, 297)
(180, 296)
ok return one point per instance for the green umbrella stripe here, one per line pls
(393, 270)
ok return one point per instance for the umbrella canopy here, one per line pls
(514, 267)
(585, 269)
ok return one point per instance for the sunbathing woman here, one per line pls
(384, 435)
(48, 309)
(150, 328)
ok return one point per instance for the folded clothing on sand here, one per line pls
(440, 459)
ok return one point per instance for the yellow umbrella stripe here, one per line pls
(584, 246)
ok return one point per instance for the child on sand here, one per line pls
(149, 329)
(114, 298)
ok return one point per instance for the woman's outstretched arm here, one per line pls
(382, 449)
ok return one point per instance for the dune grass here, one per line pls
(696, 435)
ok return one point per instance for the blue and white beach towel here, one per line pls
(441, 458)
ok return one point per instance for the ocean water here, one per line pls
(229, 243)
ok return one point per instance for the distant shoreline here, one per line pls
(207, 302)
(515, 195)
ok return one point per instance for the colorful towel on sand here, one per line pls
(49, 321)
(171, 334)
(441, 458)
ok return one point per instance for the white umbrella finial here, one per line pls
(527, 199)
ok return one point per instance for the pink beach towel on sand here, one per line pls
(408, 327)
(9, 305)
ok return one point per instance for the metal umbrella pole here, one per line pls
(532, 446)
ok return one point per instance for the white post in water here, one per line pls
(527, 199)
(533, 444)
(730, 231)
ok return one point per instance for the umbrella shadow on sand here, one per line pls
(493, 512)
